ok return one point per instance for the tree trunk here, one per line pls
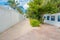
(42, 19)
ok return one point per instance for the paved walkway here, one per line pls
(46, 32)
(23, 31)
(16, 31)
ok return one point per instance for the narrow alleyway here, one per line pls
(16, 31)
(24, 31)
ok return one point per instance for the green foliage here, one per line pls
(34, 23)
(37, 8)
(19, 10)
(14, 4)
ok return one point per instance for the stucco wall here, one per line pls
(55, 23)
(8, 17)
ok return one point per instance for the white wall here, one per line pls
(55, 23)
(8, 17)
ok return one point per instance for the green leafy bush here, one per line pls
(34, 23)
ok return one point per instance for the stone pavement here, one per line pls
(24, 31)
(46, 32)
(16, 31)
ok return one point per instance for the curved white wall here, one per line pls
(55, 23)
(8, 17)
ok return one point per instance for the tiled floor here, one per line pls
(44, 32)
